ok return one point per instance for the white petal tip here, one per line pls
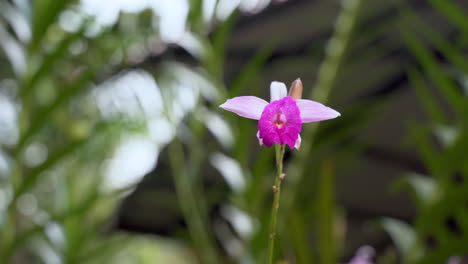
(297, 145)
(260, 140)
(336, 113)
(332, 113)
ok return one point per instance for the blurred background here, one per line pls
(113, 148)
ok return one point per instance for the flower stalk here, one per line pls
(280, 122)
(280, 149)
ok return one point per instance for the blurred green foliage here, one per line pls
(439, 230)
(56, 202)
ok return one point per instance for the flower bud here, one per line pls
(296, 89)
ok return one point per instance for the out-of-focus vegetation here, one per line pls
(440, 229)
(89, 104)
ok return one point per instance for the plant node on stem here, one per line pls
(280, 149)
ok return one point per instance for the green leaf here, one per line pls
(421, 137)
(446, 134)
(423, 187)
(49, 61)
(444, 84)
(453, 12)
(59, 155)
(43, 115)
(326, 214)
(214, 61)
(455, 156)
(453, 53)
(402, 234)
(427, 99)
(44, 15)
(298, 232)
(195, 17)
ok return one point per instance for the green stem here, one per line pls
(327, 76)
(277, 192)
(193, 214)
(9, 232)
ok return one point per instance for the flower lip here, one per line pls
(280, 123)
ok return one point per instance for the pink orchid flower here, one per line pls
(280, 121)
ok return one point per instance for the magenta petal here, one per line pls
(246, 106)
(312, 111)
(278, 91)
(280, 123)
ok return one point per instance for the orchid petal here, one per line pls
(260, 140)
(297, 145)
(245, 106)
(278, 91)
(312, 111)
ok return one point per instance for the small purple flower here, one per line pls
(363, 255)
(280, 121)
(360, 260)
(458, 260)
